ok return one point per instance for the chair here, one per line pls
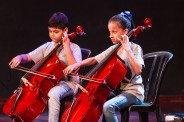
(85, 54)
(153, 74)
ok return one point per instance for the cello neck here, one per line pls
(42, 61)
(97, 66)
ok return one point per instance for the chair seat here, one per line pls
(143, 107)
(144, 104)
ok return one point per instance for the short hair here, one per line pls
(58, 20)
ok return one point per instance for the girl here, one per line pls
(131, 53)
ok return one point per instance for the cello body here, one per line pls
(88, 107)
(33, 99)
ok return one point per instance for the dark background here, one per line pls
(23, 27)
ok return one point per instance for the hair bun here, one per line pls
(127, 14)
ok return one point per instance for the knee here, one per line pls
(108, 108)
(105, 106)
(52, 94)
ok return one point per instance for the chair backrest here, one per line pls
(85, 54)
(153, 73)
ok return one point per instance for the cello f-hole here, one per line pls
(92, 91)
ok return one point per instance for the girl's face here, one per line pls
(56, 34)
(116, 32)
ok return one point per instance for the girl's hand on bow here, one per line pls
(71, 68)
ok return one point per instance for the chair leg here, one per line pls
(103, 118)
(125, 116)
(143, 117)
(159, 114)
(15, 119)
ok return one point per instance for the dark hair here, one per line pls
(124, 19)
(58, 20)
(125, 22)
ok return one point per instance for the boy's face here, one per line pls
(55, 34)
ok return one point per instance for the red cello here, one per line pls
(28, 102)
(108, 74)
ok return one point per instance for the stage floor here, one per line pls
(169, 104)
(44, 117)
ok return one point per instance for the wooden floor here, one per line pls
(169, 104)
